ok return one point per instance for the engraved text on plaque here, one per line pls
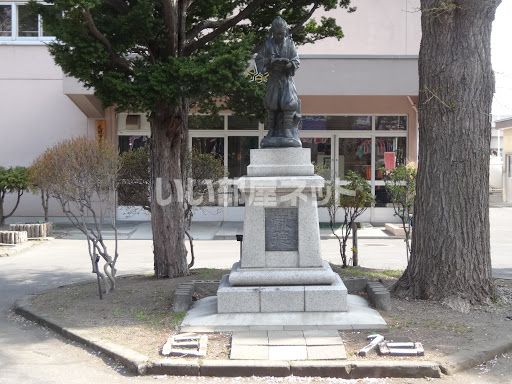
(281, 229)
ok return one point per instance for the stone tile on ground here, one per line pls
(286, 338)
(249, 352)
(326, 352)
(321, 332)
(323, 340)
(287, 352)
(250, 338)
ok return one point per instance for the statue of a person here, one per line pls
(279, 58)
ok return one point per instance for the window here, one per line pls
(389, 153)
(391, 123)
(214, 145)
(5, 20)
(349, 123)
(206, 122)
(314, 123)
(242, 123)
(239, 148)
(337, 123)
(133, 122)
(28, 23)
(18, 23)
(127, 143)
(382, 198)
(355, 155)
(320, 154)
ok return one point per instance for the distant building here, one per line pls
(505, 126)
(359, 102)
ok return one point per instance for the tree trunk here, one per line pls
(167, 215)
(2, 218)
(355, 251)
(44, 201)
(450, 258)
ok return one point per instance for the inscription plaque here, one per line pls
(281, 229)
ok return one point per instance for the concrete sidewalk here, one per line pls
(206, 230)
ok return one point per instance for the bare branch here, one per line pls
(182, 23)
(206, 24)
(222, 27)
(305, 18)
(117, 60)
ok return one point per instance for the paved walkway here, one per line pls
(288, 345)
(30, 354)
(204, 230)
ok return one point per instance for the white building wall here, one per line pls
(34, 112)
(378, 27)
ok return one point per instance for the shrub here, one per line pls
(12, 180)
(400, 184)
(81, 174)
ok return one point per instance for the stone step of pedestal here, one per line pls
(284, 298)
(280, 162)
(281, 276)
(204, 317)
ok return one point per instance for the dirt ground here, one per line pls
(138, 315)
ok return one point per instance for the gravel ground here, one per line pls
(137, 315)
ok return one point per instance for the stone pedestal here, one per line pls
(281, 268)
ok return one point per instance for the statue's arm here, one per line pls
(294, 56)
(294, 62)
(263, 59)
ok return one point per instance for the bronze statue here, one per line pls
(279, 58)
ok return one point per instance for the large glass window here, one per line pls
(5, 20)
(349, 123)
(391, 123)
(382, 198)
(389, 153)
(242, 123)
(355, 154)
(239, 148)
(213, 145)
(135, 191)
(314, 123)
(206, 122)
(127, 143)
(320, 154)
(335, 123)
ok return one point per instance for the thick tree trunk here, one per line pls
(450, 258)
(167, 215)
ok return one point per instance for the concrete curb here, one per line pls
(142, 365)
(468, 359)
(8, 250)
(383, 237)
(322, 237)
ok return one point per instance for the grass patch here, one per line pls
(457, 328)
(327, 226)
(208, 273)
(177, 318)
(370, 274)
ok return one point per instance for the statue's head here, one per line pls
(279, 28)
